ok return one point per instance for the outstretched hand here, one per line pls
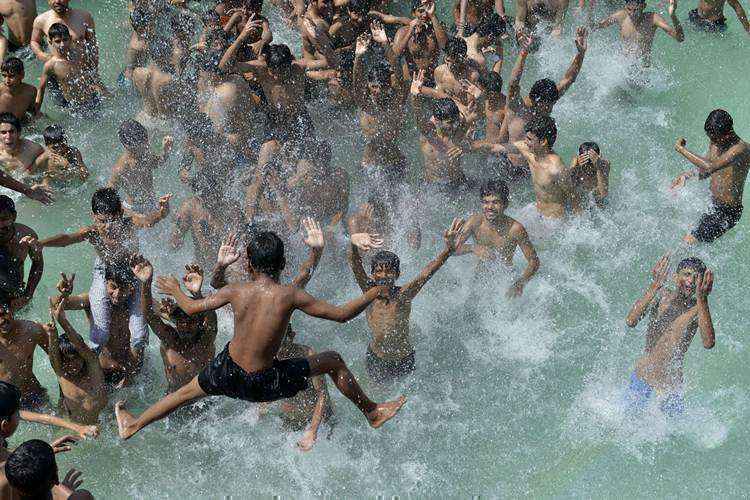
(193, 278)
(452, 234)
(366, 241)
(363, 43)
(72, 479)
(41, 193)
(168, 285)
(417, 82)
(581, 39)
(65, 285)
(660, 271)
(228, 253)
(142, 268)
(680, 180)
(705, 284)
(314, 238)
(378, 32)
(64, 443)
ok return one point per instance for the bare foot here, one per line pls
(124, 420)
(384, 412)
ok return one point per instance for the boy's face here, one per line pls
(60, 43)
(9, 425)
(385, 273)
(635, 9)
(7, 226)
(111, 223)
(59, 6)
(12, 80)
(686, 279)
(8, 134)
(118, 293)
(492, 207)
(533, 142)
(446, 126)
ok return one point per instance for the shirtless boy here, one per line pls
(637, 28)
(17, 243)
(468, 14)
(19, 15)
(120, 348)
(549, 175)
(83, 394)
(589, 173)
(113, 236)
(19, 339)
(421, 41)
(247, 368)
(81, 29)
(187, 342)
(390, 355)
(709, 16)
(134, 170)
(675, 315)
(726, 165)
(17, 154)
(16, 96)
(60, 164)
(80, 89)
(548, 13)
(542, 98)
(496, 235)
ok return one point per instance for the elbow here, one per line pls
(631, 322)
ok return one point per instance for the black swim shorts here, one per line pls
(387, 370)
(707, 24)
(718, 221)
(284, 379)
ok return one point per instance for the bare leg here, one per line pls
(330, 363)
(128, 424)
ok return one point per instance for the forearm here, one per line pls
(741, 15)
(218, 277)
(228, 59)
(9, 182)
(36, 48)
(35, 275)
(61, 240)
(705, 324)
(679, 33)
(705, 168)
(42, 418)
(317, 417)
(437, 27)
(640, 307)
(308, 268)
(531, 268)
(354, 308)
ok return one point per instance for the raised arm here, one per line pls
(170, 286)
(341, 314)
(532, 260)
(39, 193)
(58, 314)
(144, 272)
(659, 274)
(355, 262)
(514, 99)
(704, 285)
(741, 15)
(403, 35)
(65, 239)
(229, 59)
(706, 167)
(153, 218)
(441, 37)
(557, 23)
(53, 345)
(675, 29)
(34, 250)
(227, 256)
(315, 242)
(359, 86)
(36, 42)
(451, 237)
(575, 66)
(43, 79)
(522, 12)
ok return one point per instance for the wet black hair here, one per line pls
(265, 252)
(11, 119)
(7, 205)
(106, 201)
(496, 187)
(491, 82)
(544, 91)
(387, 259)
(58, 30)
(635, 1)
(53, 134)
(445, 109)
(31, 468)
(160, 52)
(544, 128)
(132, 133)
(415, 4)
(588, 146)
(140, 19)
(493, 25)
(120, 273)
(10, 400)
(455, 47)
(693, 263)
(279, 57)
(718, 122)
(12, 66)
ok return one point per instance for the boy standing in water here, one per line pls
(496, 235)
(589, 174)
(390, 355)
(16, 96)
(675, 317)
(726, 165)
(17, 243)
(247, 369)
(60, 164)
(709, 16)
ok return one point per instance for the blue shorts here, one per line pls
(639, 393)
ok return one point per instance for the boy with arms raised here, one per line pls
(390, 355)
(82, 391)
(187, 344)
(727, 165)
(496, 235)
(675, 316)
(247, 368)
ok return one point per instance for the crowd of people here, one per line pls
(258, 172)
